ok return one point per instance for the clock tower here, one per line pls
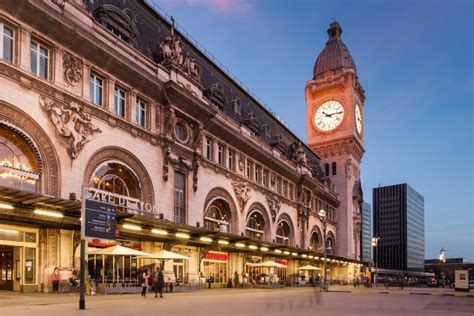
(334, 127)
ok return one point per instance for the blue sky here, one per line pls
(415, 60)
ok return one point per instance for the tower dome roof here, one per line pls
(335, 55)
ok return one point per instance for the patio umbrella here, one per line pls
(164, 255)
(270, 264)
(118, 250)
(308, 267)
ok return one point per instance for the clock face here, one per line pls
(358, 117)
(329, 115)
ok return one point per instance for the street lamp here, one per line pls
(375, 245)
(322, 217)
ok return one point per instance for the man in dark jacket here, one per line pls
(159, 282)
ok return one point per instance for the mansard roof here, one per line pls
(145, 28)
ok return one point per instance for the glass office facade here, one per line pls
(415, 229)
(366, 232)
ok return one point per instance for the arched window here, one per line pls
(283, 233)
(255, 227)
(217, 216)
(117, 178)
(18, 164)
(326, 169)
(330, 245)
(314, 241)
(334, 169)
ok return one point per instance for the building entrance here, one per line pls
(6, 268)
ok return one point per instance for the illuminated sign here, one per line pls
(216, 256)
(131, 204)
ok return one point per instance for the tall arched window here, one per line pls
(334, 169)
(255, 227)
(330, 245)
(117, 178)
(314, 240)
(18, 164)
(283, 233)
(326, 169)
(217, 216)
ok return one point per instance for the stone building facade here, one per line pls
(109, 97)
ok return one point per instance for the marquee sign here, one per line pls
(216, 256)
(131, 204)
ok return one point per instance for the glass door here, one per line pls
(6, 268)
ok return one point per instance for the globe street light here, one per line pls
(375, 245)
(322, 217)
(442, 260)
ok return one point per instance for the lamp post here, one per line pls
(322, 217)
(375, 245)
(442, 260)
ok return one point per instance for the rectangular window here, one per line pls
(119, 102)
(291, 192)
(6, 45)
(258, 174)
(95, 89)
(220, 154)
(39, 56)
(278, 185)
(285, 189)
(208, 148)
(230, 159)
(265, 177)
(140, 113)
(30, 265)
(179, 194)
(248, 169)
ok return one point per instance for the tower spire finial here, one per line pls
(172, 26)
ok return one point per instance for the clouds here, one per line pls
(220, 7)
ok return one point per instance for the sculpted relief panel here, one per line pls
(71, 123)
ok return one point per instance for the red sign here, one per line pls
(216, 256)
(283, 262)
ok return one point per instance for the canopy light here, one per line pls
(304, 256)
(278, 251)
(311, 256)
(253, 247)
(8, 231)
(206, 239)
(48, 213)
(131, 227)
(6, 206)
(316, 258)
(182, 235)
(263, 248)
(286, 252)
(294, 254)
(239, 244)
(159, 232)
(223, 242)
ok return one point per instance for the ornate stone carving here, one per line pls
(197, 137)
(216, 95)
(72, 69)
(274, 205)
(348, 168)
(181, 164)
(170, 121)
(172, 53)
(298, 153)
(243, 193)
(70, 122)
(59, 3)
(195, 166)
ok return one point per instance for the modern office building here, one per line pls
(110, 96)
(399, 225)
(366, 233)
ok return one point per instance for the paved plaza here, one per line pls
(288, 301)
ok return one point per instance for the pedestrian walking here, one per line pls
(400, 282)
(159, 282)
(144, 283)
(55, 277)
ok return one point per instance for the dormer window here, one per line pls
(237, 106)
(215, 95)
(118, 22)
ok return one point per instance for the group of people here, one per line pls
(56, 278)
(158, 282)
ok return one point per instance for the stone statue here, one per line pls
(298, 153)
(274, 205)
(70, 122)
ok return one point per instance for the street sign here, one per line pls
(99, 220)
